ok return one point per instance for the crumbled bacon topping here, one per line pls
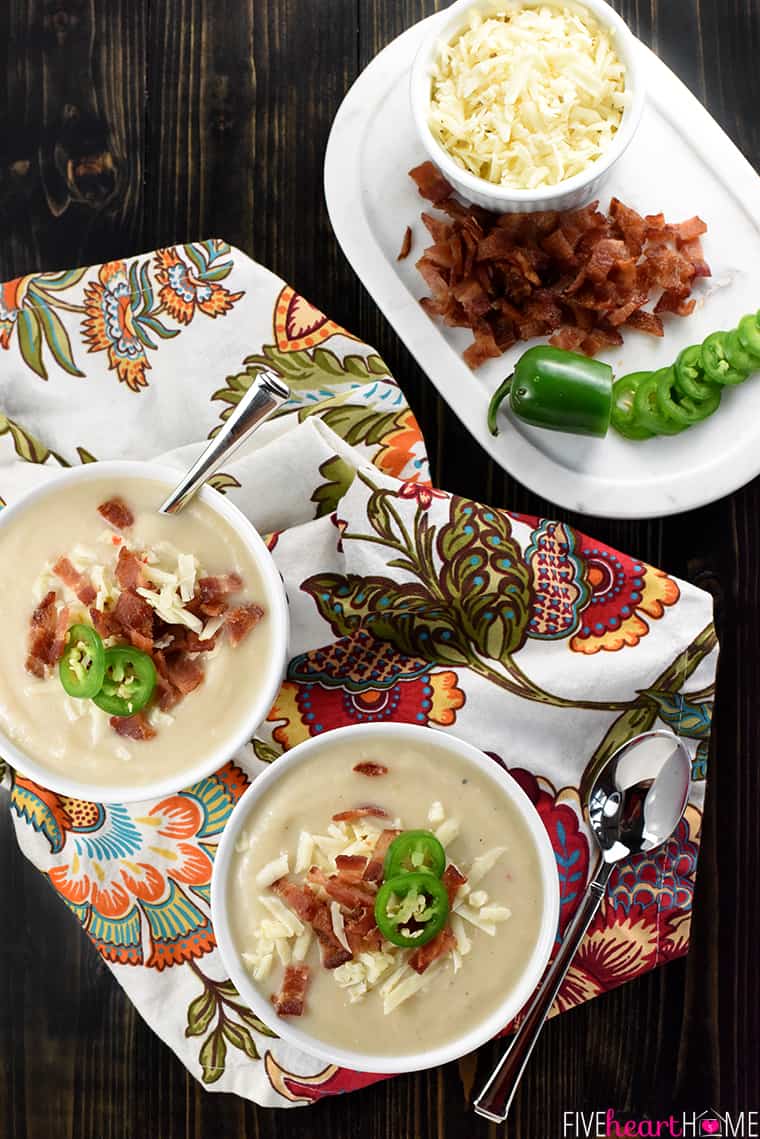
(575, 276)
(213, 592)
(302, 900)
(333, 953)
(435, 948)
(452, 879)
(133, 727)
(354, 814)
(371, 769)
(361, 930)
(129, 570)
(374, 868)
(351, 866)
(240, 620)
(134, 617)
(45, 645)
(117, 513)
(348, 891)
(291, 997)
(76, 581)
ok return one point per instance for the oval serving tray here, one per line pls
(680, 162)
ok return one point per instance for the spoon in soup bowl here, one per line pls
(634, 806)
(266, 394)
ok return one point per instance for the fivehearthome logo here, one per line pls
(689, 1125)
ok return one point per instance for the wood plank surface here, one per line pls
(129, 124)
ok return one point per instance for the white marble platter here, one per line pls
(680, 162)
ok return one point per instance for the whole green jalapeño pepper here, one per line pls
(130, 677)
(558, 390)
(411, 909)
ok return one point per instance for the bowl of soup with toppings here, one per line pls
(139, 650)
(385, 896)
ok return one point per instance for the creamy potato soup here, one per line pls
(314, 856)
(183, 591)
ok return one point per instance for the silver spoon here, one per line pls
(635, 805)
(266, 393)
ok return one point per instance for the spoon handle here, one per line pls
(266, 393)
(496, 1097)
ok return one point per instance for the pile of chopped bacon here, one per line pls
(340, 908)
(576, 276)
(173, 647)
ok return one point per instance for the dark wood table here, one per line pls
(129, 124)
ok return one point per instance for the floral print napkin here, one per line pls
(541, 646)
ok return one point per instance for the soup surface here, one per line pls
(73, 736)
(374, 1002)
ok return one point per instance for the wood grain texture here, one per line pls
(129, 124)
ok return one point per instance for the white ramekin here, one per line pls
(207, 761)
(495, 1017)
(575, 191)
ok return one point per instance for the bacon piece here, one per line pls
(673, 300)
(431, 183)
(438, 230)
(291, 997)
(117, 513)
(427, 954)
(353, 814)
(361, 930)
(183, 672)
(630, 223)
(645, 322)
(348, 892)
(688, 230)
(371, 769)
(600, 338)
(212, 590)
(168, 694)
(42, 636)
(129, 570)
(693, 250)
(351, 867)
(374, 869)
(240, 620)
(76, 581)
(406, 245)
(105, 623)
(569, 337)
(133, 727)
(59, 637)
(135, 618)
(301, 900)
(185, 639)
(333, 953)
(452, 879)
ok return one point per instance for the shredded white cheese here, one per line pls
(273, 870)
(528, 96)
(483, 863)
(336, 917)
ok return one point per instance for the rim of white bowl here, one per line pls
(498, 1017)
(276, 601)
(455, 18)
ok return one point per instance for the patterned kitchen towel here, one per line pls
(580, 647)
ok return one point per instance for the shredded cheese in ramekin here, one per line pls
(528, 96)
